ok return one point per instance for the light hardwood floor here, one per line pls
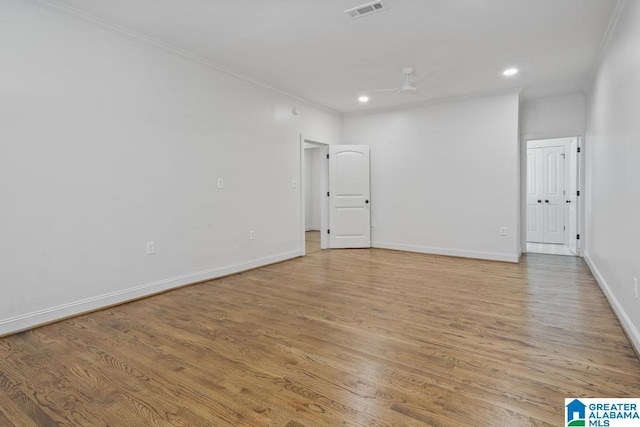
(341, 337)
(312, 239)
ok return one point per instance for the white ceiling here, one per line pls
(311, 49)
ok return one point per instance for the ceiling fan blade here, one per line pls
(395, 89)
(433, 74)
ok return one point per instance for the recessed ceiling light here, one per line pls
(363, 99)
(510, 72)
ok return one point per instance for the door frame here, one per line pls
(524, 139)
(324, 186)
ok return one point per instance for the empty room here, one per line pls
(319, 213)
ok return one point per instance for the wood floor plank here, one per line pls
(312, 242)
(189, 343)
(240, 355)
(342, 337)
(11, 412)
(4, 419)
(168, 385)
(28, 407)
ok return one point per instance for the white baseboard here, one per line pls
(493, 256)
(623, 317)
(30, 320)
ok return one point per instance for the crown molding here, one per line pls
(605, 42)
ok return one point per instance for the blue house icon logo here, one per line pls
(576, 413)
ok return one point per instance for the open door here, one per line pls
(572, 196)
(349, 197)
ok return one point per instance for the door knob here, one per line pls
(366, 201)
(539, 201)
(546, 201)
(568, 201)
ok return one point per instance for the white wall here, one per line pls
(312, 187)
(107, 142)
(444, 177)
(553, 117)
(613, 171)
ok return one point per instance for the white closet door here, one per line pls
(545, 195)
(554, 200)
(535, 224)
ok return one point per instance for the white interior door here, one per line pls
(349, 207)
(535, 207)
(572, 196)
(554, 197)
(545, 195)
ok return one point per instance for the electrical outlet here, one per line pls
(220, 183)
(294, 184)
(503, 231)
(151, 248)
(373, 222)
(252, 235)
(635, 286)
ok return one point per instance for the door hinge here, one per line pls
(327, 156)
(578, 193)
(578, 237)
(562, 155)
(328, 231)
(327, 194)
(564, 228)
(578, 149)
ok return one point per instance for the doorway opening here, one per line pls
(552, 205)
(314, 179)
(335, 196)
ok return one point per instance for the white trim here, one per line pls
(621, 314)
(618, 11)
(69, 10)
(524, 144)
(302, 195)
(551, 135)
(613, 24)
(492, 256)
(30, 320)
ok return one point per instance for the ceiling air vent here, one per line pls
(366, 9)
